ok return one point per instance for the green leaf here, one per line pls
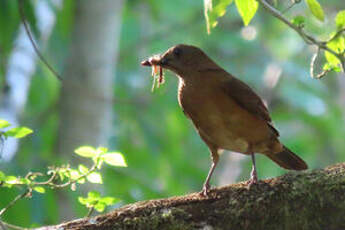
(95, 178)
(340, 19)
(86, 151)
(39, 189)
(330, 67)
(4, 124)
(74, 174)
(247, 9)
(298, 21)
(100, 207)
(18, 132)
(2, 176)
(115, 159)
(338, 45)
(62, 173)
(83, 169)
(94, 195)
(83, 200)
(101, 150)
(95, 200)
(316, 9)
(337, 69)
(24, 181)
(81, 181)
(11, 180)
(214, 9)
(108, 200)
(87, 201)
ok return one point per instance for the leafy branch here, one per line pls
(334, 47)
(306, 37)
(61, 177)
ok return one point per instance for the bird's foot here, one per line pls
(252, 182)
(253, 178)
(205, 190)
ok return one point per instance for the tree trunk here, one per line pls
(87, 88)
(304, 200)
(86, 101)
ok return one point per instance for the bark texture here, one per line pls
(307, 200)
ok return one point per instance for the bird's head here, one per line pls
(182, 59)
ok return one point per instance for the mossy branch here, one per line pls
(307, 200)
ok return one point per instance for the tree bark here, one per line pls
(304, 200)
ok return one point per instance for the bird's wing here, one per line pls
(248, 100)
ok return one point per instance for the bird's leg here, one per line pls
(253, 174)
(215, 158)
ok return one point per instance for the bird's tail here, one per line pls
(288, 160)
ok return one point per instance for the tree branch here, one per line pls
(27, 30)
(307, 38)
(6, 226)
(308, 200)
(26, 192)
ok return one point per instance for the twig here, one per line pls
(11, 226)
(92, 169)
(337, 34)
(19, 197)
(307, 38)
(89, 213)
(290, 6)
(50, 183)
(2, 226)
(27, 30)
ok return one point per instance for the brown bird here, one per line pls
(227, 113)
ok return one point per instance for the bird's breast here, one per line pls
(219, 119)
(213, 118)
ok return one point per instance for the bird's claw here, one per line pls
(205, 190)
(253, 178)
(252, 182)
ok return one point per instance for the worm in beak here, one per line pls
(155, 62)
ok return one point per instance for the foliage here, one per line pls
(17, 132)
(94, 200)
(247, 9)
(316, 9)
(213, 10)
(340, 20)
(63, 176)
(335, 56)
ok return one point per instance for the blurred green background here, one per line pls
(165, 155)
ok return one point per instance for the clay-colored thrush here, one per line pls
(225, 111)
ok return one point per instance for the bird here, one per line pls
(225, 111)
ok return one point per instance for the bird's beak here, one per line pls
(146, 63)
(160, 61)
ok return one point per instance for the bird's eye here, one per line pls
(177, 52)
